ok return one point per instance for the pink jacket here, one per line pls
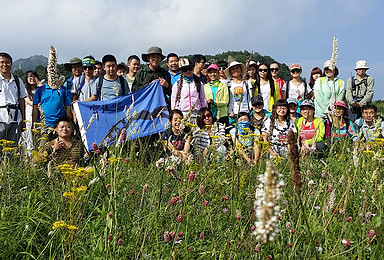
(189, 95)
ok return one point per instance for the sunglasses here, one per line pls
(185, 69)
(274, 69)
(88, 67)
(296, 71)
(207, 116)
(222, 68)
(263, 70)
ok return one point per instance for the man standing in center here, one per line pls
(152, 72)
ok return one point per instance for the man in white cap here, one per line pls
(360, 90)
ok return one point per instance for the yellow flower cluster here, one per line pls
(63, 224)
(112, 160)
(72, 174)
(39, 156)
(4, 142)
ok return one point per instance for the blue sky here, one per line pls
(297, 31)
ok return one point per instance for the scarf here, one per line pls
(214, 84)
(188, 79)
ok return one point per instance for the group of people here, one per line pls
(235, 105)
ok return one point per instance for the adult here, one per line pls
(12, 103)
(296, 88)
(121, 70)
(209, 137)
(173, 66)
(55, 103)
(239, 90)
(338, 125)
(222, 65)
(216, 93)
(75, 67)
(199, 63)
(266, 86)
(360, 90)
(152, 72)
(178, 140)
(276, 128)
(310, 129)
(258, 114)
(32, 82)
(188, 91)
(275, 68)
(252, 70)
(65, 149)
(369, 125)
(133, 64)
(293, 105)
(82, 86)
(315, 74)
(110, 85)
(98, 69)
(328, 89)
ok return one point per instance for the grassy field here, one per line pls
(127, 206)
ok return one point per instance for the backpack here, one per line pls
(364, 81)
(287, 89)
(82, 81)
(17, 81)
(100, 85)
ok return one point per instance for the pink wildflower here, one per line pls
(288, 225)
(173, 200)
(123, 135)
(346, 242)
(179, 218)
(293, 231)
(106, 162)
(110, 236)
(201, 189)
(131, 192)
(257, 248)
(205, 203)
(181, 234)
(371, 233)
(110, 215)
(191, 176)
(202, 235)
(119, 242)
(167, 237)
(253, 228)
(172, 234)
(349, 219)
(225, 198)
(126, 160)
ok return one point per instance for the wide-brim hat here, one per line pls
(73, 61)
(234, 63)
(361, 64)
(307, 103)
(152, 50)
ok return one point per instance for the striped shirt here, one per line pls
(202, 139)
(71, 155)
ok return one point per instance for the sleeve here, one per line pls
(68, 97)
(319, 95)
(167, 77)
(341, 92)
(320, 131)
(225, 99)
(75, 86)
(23, 91)
(203, 100)
(370, 89)
(94, 87)
(348, 95)
(126, 88)
(36, 96)
(266, 125)
(173, 95)
(284, 88)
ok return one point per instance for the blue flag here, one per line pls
(141, 113)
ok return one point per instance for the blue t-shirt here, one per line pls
(107, 91)
(53, 102)
(174, 77)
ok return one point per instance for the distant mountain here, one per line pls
(29, 63)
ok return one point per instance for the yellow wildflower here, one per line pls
(6, 142)
(368, 152)
(38, 124)
(35, 131)
(81, 189)
(9, 149)
(189, 124)
(59, 224)
(69, 194)
(72, 227)
(43, 138)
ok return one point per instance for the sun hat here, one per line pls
(152, 50)
(361, 64)
(213, 66)
(184, 62)
(341, 103)
(295, 66)
(234, 63)
(328, 64)
(308, 103)
(292, 101)
(257, 100)
(73, 61)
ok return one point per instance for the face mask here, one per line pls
(243, 125)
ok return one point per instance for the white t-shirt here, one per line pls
(296, 91)
(8, 96)
(245, 105)
(265, 90)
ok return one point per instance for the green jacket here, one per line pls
(319, 126)
(222, 98)
(323, 94)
